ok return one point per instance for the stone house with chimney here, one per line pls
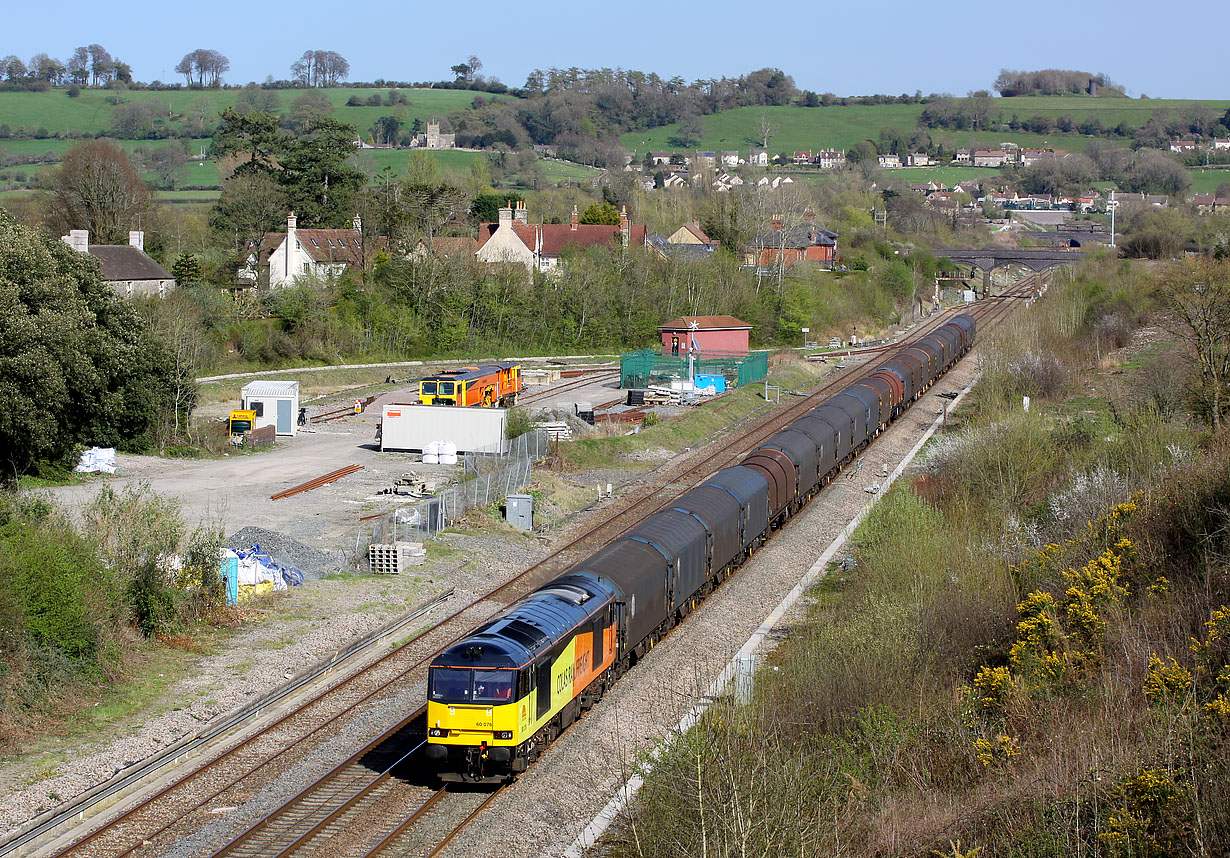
(322, 254)
(539, 246)
(126, 268)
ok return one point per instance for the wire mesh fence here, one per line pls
(648, 367)
(488, 476)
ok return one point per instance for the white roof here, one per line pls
(271, 388)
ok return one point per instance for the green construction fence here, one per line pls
(649, 366)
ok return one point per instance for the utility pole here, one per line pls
(1112, 205)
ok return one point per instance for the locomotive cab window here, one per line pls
(451, 685)
(493, 686)
(429, 388)
(446, 388)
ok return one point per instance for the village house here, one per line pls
(1032, 156)
(659, 158)
(991, 158)
(126, 268)
(801, 158)
(919, 159)
(704, 159)
(1221, 143)
(889, 161)
(1181, 146)
(804, 242)
(962, 156)
(310, 253)
(758, 158)
(539, 246)
(730, 159)
(830, 159)
(689, 243)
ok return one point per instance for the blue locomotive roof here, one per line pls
(532, 625)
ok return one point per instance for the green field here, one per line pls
(567, 171)
(1206, 181)
(947, 176)
(90, 112)
(811, 129)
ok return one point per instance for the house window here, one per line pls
(330, 241)
(314, 244)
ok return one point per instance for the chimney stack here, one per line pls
(575, 218)
(506, 215)
(136, 238)
(78, 240)
(625, 228)
(357, 223)
(521, 213)
(291, 222)
(776, 223)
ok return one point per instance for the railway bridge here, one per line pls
(988, 259)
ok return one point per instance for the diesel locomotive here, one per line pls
(501, 695)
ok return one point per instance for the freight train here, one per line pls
(489, 385)
(502, 694)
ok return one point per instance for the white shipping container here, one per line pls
(414, 427)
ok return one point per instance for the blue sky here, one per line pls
(844, 47)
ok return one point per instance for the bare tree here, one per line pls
(320, 68)
(79, 66)
(1196, 293)
(13, 68)
(205, 65)
(765, 132)
(95, 187)
(101, 64)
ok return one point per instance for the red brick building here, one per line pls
(807, 242)
(724, 334)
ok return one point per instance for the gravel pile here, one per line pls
(312, 562)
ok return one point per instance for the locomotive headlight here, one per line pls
(503, 734)
(435, 732)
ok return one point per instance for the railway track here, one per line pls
(377, 782)
(570, 385)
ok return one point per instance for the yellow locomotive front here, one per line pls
(475, 717)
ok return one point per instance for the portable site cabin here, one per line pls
(276, 404)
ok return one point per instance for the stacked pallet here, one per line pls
(557, 430)
(393, 558)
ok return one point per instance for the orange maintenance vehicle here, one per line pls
(490, 385)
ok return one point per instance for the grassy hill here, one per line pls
(91, 111)
(838, 127)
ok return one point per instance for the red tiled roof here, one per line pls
(697, 232)
(705, 323)
(556, 237)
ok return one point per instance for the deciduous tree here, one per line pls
(78, 365)
(1197, 296)
(95, 187)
